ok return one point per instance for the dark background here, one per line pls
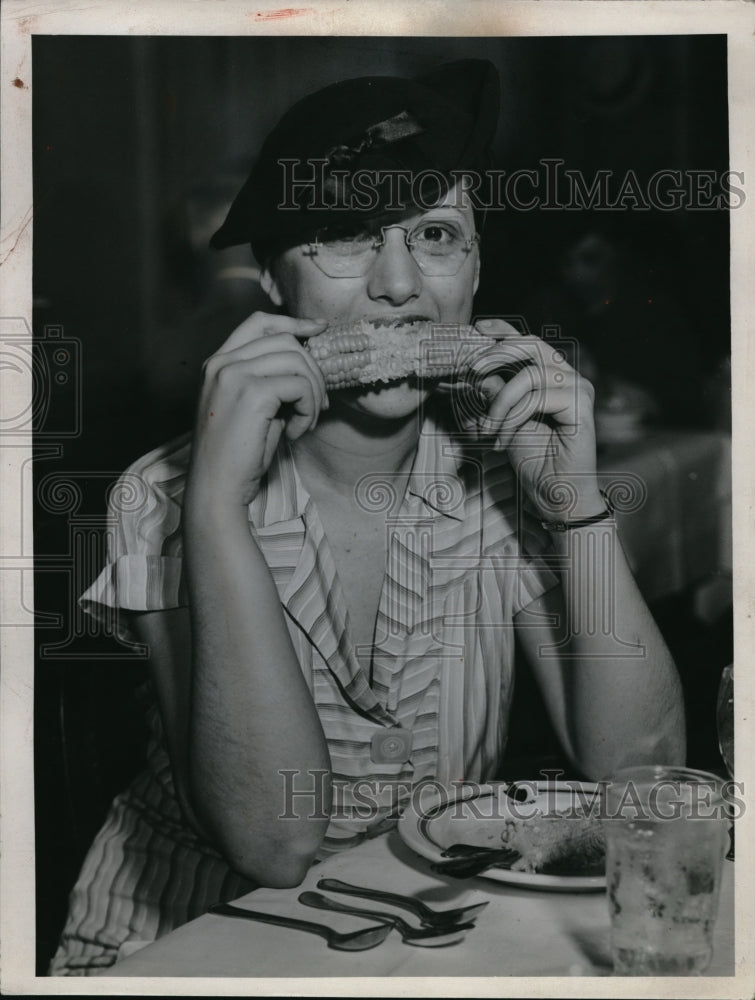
(140, 144)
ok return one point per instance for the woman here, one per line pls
(315, 651)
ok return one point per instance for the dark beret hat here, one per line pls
(434, 124)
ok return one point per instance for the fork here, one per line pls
(427, 916)
(426, 937)
(468, 864)
(368, 937)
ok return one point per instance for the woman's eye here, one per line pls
(347, 241)
(436, 234)
(360, 237)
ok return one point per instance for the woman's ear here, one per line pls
(270, 287)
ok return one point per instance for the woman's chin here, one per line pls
(390, 401)
(396, 399)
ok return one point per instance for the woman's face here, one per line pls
(394, 286)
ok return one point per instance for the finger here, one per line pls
(506, 409)
(524, 346)
(261, 324)
(489, 389)
(519, 379)
(283, 343)
(531, 393)
(292, 399)
(277, 380)
(498, 328)
(507, 357)
(304, 409)
(532, 408)
(293, 363)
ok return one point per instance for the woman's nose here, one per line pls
(394, 276)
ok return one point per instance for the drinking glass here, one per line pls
(725, 729)
(665, 841)
(725, 718)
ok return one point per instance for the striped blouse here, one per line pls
(463, 557)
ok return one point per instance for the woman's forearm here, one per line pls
(252, 715)
(612, 686)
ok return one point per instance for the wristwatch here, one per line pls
(582, 522)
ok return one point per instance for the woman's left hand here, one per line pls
(540, 410)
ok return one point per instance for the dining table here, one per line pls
(523, 932)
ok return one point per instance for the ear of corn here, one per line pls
(365, 353)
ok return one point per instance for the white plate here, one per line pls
(475, 814)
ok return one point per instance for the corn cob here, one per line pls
(368, 352)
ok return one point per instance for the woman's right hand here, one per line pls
(260, 382)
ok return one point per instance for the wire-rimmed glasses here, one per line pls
(439, 247)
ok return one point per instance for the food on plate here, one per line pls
(570, 843)
(367, 352)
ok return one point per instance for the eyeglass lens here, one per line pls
(438, 246)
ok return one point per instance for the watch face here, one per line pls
(391, 746)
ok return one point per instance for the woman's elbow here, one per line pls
(286, 873)
(666, 746)
(272, 850)
(665, 742)
(275, 866)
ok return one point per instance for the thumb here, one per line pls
(499, 329)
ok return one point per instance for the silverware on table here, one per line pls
(428, 917)
(368, 937)
(467, 864)
(427, 937)
(469, 850)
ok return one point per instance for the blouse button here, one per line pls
(391, 746)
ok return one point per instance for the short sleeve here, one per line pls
(144, 565)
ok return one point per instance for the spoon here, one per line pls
(427, 916)
(369, 937)
(428, 937)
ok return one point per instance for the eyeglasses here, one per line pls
(439, 248)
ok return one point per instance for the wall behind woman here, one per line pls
(140, 144)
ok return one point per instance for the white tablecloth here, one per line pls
(520, 933)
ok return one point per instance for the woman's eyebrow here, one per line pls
(443, 210)
(436, 212)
